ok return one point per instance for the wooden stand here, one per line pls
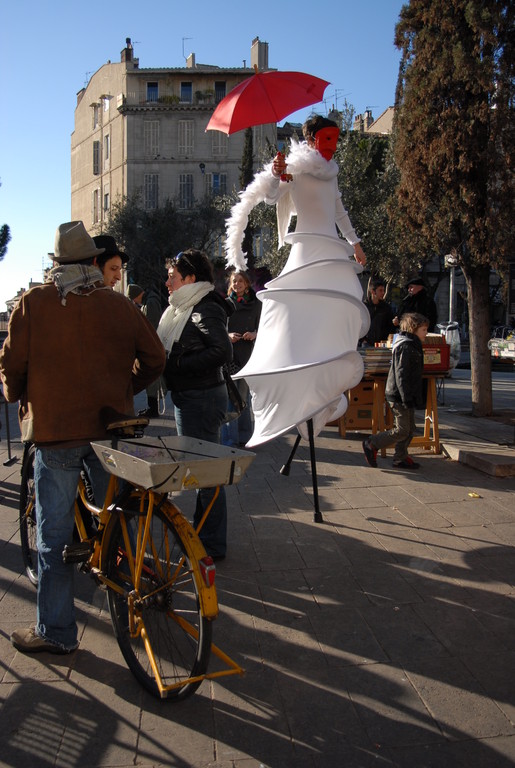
(430, 440)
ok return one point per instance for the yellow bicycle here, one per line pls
(139, 547)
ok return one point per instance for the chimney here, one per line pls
(368, 119)
(359, 124)
(259, 55)
(127, 51)
(190, 61)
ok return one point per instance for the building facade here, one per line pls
(143, 131)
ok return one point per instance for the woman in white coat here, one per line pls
(313, 316)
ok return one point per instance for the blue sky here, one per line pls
(48, 52)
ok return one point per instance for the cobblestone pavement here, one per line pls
(383, 636)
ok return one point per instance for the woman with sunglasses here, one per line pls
(193, 330)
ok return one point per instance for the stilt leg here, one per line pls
(317, 517)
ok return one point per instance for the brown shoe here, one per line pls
(27, 641)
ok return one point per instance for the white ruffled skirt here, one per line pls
(305, 355)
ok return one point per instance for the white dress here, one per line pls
(313, 315)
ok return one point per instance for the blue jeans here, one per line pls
(56, 475)
(200, 413)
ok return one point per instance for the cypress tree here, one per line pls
(454, 142)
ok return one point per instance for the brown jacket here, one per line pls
(65, 363)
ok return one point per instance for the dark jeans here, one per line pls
(200, 413)
(401, 433)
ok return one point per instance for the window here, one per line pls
(107, 198)
(95, 206)
(107, 151)
(219, 90)
(185, 137)
(216, 183)
(151, 138)
(96, 115)
(152, 91)
(187, 92)
(96, 158)
(219, 144)
(186, 190)
(151, 191)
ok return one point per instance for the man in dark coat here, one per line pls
(418, 300)
(381, 315)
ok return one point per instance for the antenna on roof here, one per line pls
(88, 75)
(183, 54)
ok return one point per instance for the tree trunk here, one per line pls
(479, 334)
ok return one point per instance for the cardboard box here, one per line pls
(363, 393)
(436, 357)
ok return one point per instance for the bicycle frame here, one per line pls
(108, 517)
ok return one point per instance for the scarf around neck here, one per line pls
(179, 312)
(73, 278)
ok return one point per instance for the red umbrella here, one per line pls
(266, 97)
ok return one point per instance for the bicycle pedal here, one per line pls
(77, 553)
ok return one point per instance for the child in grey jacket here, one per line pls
(403, 392)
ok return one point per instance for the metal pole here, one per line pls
(10, 459)
(317, 517)
(285, 469)
(451, 294)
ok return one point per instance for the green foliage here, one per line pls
(5, 236)
(454, 126)
(454, 138)
(246, 176)
(151, 237)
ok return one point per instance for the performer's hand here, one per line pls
(359, 254)
(279, 165)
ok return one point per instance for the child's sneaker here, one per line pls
(406, 463)
(370, 453)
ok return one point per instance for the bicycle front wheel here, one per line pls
(27, 516)
(163, 606)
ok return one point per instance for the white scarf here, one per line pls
(178, 313)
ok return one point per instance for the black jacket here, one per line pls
(404, 383)
(381, 325)
(245, 318)
(422, 303)
(196, 360)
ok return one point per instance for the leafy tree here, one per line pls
(246, 176)
(5, 236)
(365, 186)
(151, 237)
(454, 138)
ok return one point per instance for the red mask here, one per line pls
(326, 140)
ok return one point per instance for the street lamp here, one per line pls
(451, 261)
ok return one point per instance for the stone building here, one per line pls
(142, 130)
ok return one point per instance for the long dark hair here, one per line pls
(194, 262)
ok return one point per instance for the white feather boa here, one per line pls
(301, 159)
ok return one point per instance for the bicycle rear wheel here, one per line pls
(166, 605)
(27, 516)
